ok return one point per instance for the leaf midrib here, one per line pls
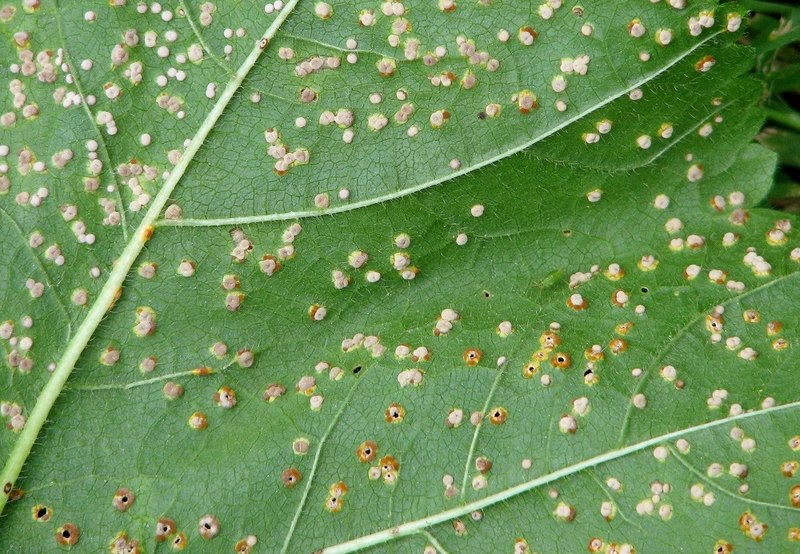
(301, 214)
(412, 527)
(113, 286)
(106, 298)
(674, 339)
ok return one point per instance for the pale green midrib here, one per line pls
(705, 479)
(692, 129)
(660, 357)
(300, 214)
(654, 157)
(107, 295)
(412, 527)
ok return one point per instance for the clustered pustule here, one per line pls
(141, 180)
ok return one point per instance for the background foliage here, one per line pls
(775, 34)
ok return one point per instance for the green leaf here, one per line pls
(784, 80)
(584, 336)
(785, 143)
(771, 34)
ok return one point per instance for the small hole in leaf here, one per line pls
(357, 370)
(567, 232)
(41, 513)
(645, 290)
(487, 294)
(67, 535)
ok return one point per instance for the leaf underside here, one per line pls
(584, 337)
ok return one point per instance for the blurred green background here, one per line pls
(775, 35)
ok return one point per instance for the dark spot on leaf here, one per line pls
(41, 513)
(67, 535)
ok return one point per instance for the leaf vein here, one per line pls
(415, 526)
(102, 146)
(685, 463)
(52, 389)
(672, 341)
(315, 464)
(244, 220)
